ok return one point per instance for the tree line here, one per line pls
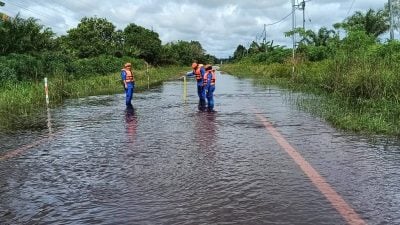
(362, 29)
(30, 51)
(352, 68)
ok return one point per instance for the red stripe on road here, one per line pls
(24, 148)
(333, 197)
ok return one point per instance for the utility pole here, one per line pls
(303, 7)
(391, 19)
(265, 37)
(294, 34)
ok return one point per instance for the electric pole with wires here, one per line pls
(294, 34)
(302, 6)
(390, 3)
(264, 34)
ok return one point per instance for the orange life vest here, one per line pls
(213, 77)
(197, 72)
(129, 76)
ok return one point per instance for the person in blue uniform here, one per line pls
(128, 80)
(209, 87)
(198, 73)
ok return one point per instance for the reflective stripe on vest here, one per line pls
(129, 76)
(213, 78)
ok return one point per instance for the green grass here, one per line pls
(23, 105)
(358, 96)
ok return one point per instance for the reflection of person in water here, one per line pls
(206, 131)
(131, 123)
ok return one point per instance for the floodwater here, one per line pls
(167, 163)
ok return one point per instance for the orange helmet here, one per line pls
(194, 65)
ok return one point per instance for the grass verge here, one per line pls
(23, 106)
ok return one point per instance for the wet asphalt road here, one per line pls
(167, 163)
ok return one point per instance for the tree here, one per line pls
(309, 37)
(254, 48)
(239, 52)
(196, 51)
(144, 42)
(18, 35)
(373, 23)
(316, 45)
(93, 37)
(167, 54)
(118, 43)
(184, 52)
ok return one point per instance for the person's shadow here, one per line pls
(131, 123)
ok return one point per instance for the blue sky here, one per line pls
(219, 25)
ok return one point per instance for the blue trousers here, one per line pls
(202, 96)
(210, 97)
(129, 93)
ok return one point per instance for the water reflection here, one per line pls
(131, 123)
(49, 127)
(180, 166)
(206, 129)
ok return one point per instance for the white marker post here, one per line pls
(184, 88)
(148, 76)
(46, 90)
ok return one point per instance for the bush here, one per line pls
(278, 55)
(7, 74)
(23, 67)
(317, 53)
(101, 65)
(357, 42)
(26, 67)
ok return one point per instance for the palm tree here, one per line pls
(309, 37)
(373, 23)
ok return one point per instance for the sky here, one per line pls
(219, 25)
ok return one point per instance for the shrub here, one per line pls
(7, 74)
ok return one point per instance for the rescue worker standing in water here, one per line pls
(209, 87)
(129, 83)
(198, 72)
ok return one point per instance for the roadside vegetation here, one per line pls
(352, 71)
(355, 77)
(86, 61)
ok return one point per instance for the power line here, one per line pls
(309, 19)
(351, 6)
(270, 24)
(263, 34)
(24, 8)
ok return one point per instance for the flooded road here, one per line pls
(167, 163)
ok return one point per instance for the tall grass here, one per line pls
(360, 91)
(19, 104)
(23, 105)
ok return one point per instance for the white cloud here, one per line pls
(220, 26)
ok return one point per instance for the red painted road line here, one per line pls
(24, 148)
(333, 197)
